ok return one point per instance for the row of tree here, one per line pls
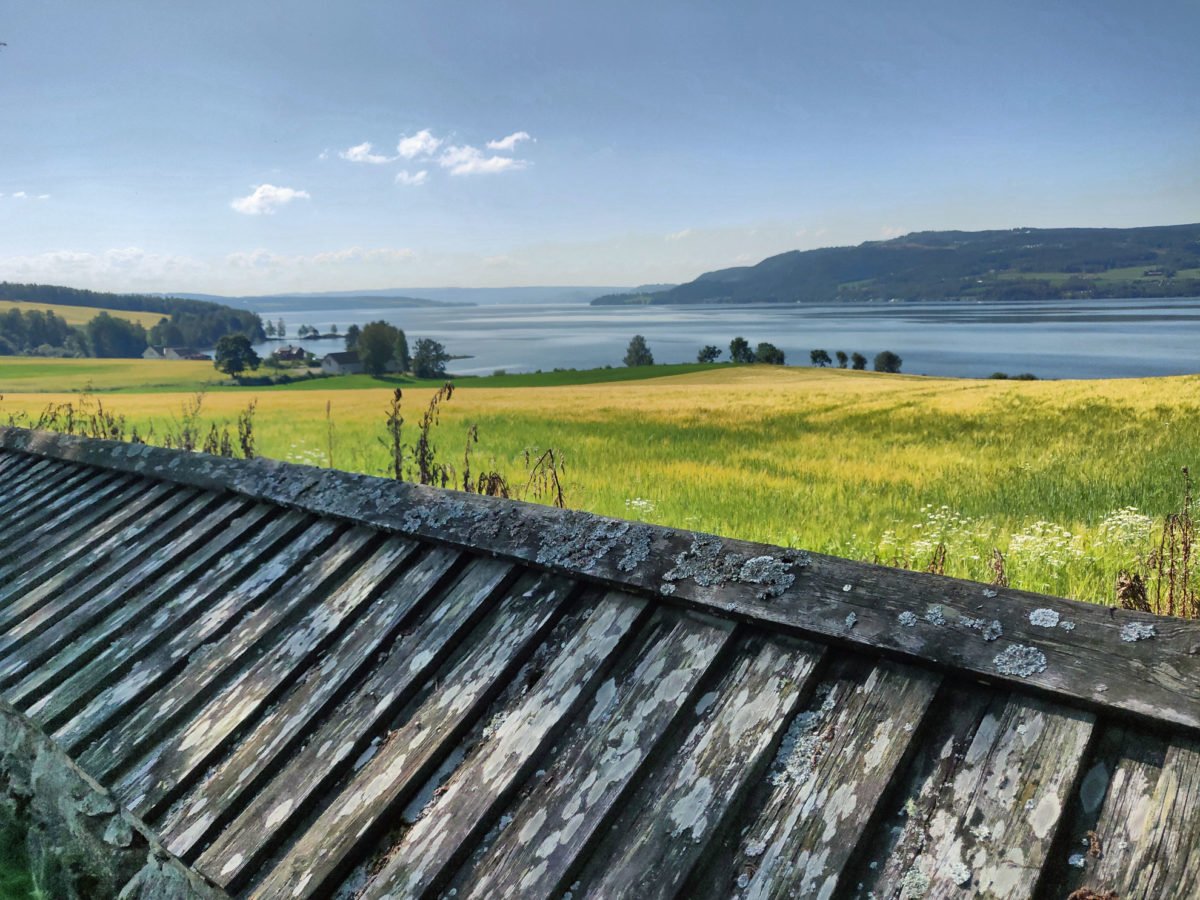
(886, 361)
(740, 351)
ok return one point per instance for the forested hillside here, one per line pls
(184, 323)
(1020, 264)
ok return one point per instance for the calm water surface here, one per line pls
(1052, 339)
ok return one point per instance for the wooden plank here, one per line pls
(378, 700)
(521, 615)
(1112, 659)
(37, 492)
(112, 698)
(481, 786)
(692, 793)
(166, 770)
(277, 736)
(22, 593)
(165, 570)
(76, 530)
(401, 762)
(589, 777)
(94, 628)
(212, 664)
(13, 465)
(41, 483)
(143, 659)
(41, 471)
(1166, 855)
(50, 602)
(31, 509)
(924, 788)
(1009, 790)
(1138, 833)
(825, 787)
(1112, 806)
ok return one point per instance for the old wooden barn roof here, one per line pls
(298, 682)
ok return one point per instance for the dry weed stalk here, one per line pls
(1170, 564)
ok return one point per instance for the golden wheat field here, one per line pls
(1065, 478)
(81, 315)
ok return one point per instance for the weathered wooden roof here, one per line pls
(300, 682)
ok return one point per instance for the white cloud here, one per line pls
(261, 259)
(43, 196)
(679, 235)
(121, 268)
(362, 254)
(507, 144)
(891, 231)
(467, 160)
(266, 198)
(20, 195)
(362, 153)
(412, 179)
(421, 144)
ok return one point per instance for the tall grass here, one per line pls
(1069, 481)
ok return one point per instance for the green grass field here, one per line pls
(1130, 274)
(1066, 478)
(31, 374)
(81, 315)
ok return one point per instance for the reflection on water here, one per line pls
(1052, 339)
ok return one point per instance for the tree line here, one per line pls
(740, 351)
(38, 333)
(185, 323)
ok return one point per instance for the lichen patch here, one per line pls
(1137, 631)
(1020, 661)
(708, 565)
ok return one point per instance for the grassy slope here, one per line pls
(81, 315)
(851, 463)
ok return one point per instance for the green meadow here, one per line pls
(1068, 480)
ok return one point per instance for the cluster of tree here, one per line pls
(638, 353)
(382, 347)
(990, 265)
(741, 352)
(47, 334)
(205, 328)
(887, 361)
(191, 323)
(40, 333)
(279, 330)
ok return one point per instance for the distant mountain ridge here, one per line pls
(1017, 264)
(413, 297)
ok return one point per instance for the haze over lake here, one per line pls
(1052, 339)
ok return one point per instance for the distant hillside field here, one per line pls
(1012, 265)
(36, 374)
(1066, 478)
(81, 315)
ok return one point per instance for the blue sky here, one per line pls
(219, 146)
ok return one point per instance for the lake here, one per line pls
(1051, 339)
